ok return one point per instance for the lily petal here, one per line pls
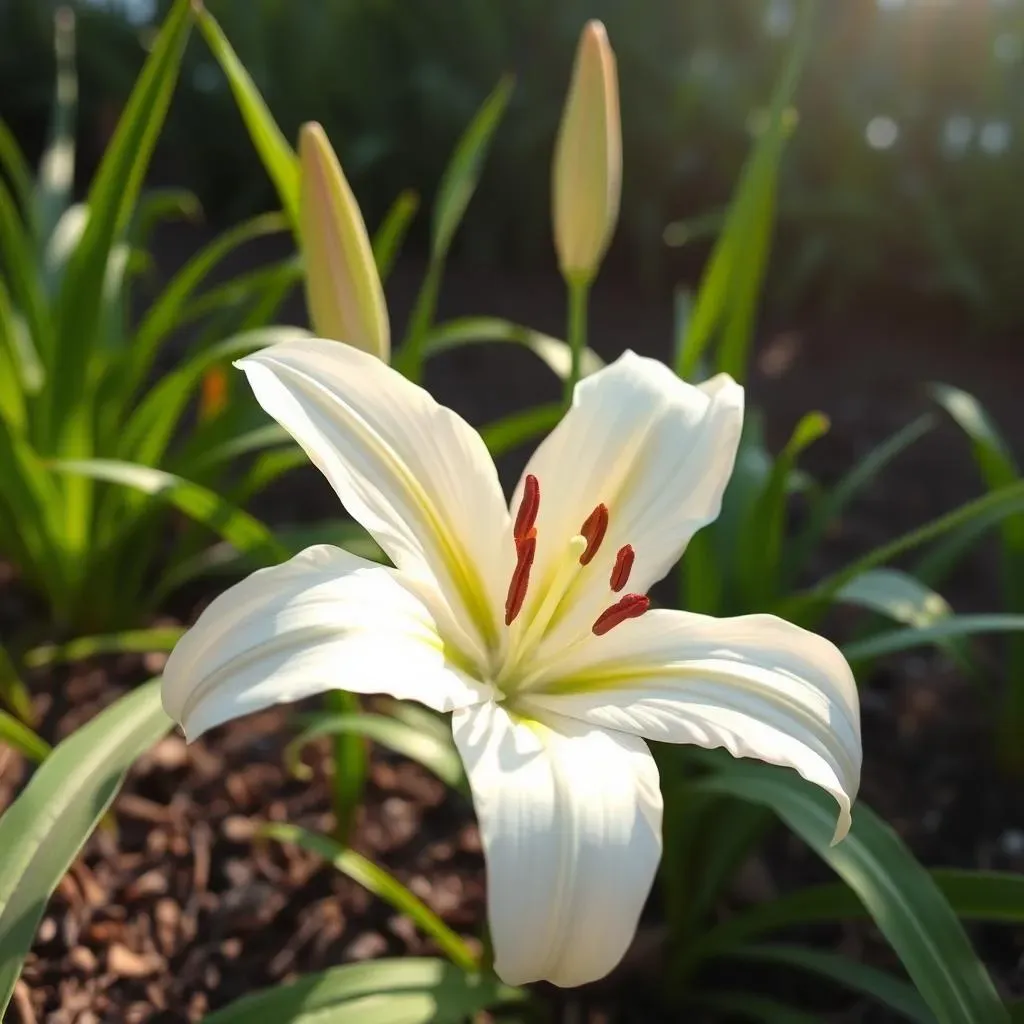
(412, 472)
(656, 451)
(570, 817)
(323, 620)
(757, 685)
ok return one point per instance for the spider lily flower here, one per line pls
(587, 172)
(343, 289)
(531, 625)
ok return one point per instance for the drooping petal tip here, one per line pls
(570, 818)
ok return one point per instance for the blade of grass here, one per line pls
(554, 352)
(43, 830)
(133, 641)
(731, 282)
(388, 238)
(278, 157)
(384, 886)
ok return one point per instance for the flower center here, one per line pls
(581, 551)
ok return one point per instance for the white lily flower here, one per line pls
(531, 626)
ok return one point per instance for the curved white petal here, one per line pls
(323, 620)
(757, 685)
(655, 450)
(570, 817)
(412, 472)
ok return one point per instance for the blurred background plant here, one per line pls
(899, 189)
(83, 330)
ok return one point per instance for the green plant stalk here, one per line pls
(576, 331)
(383, 885)
(350, 757)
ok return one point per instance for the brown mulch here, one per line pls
(179, 908)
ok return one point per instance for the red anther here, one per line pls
(629, 607)
(623, 567)
(528, 507)
(526, 550)
(594, 530)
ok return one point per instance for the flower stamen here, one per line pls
(631, 606)
(526, 551)
(526, 517)
(593, 530)
(623, 566)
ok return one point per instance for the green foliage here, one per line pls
(43, 830)
(407, 991)
(75, 411)
(381, 884)
(899, 894)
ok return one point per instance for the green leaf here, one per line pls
(111, 203)
(15, 166)
(997, 467)
(278, 157)
(351, 765)
(146, 435)
(831, 507)
(511, 431)
(34, 500)
(879, 985)
(164, 316)
(162, 204)
(224, 559)
(27, 312)
(901, 897)
(235, 525)
(553, 352)
(460, 178)
(989, 896)
(948, 629)
(436, 755)
(749, 1007)
(245, 290)
(43, 830)
(57, 167)
(731, 283)
(132, 641)
(897, 595)
(21, 738)
(406, 991)
(384, 886)
(989, 509)
(13, 692)
(388, 239)
(763, 534)
(236, 445)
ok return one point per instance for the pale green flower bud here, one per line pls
(587, 179)
(343, 289)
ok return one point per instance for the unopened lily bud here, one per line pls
(343, 289)
(588, 158)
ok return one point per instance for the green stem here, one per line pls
(576, 332)
(351, 762)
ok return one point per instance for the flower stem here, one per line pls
(576, 332)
